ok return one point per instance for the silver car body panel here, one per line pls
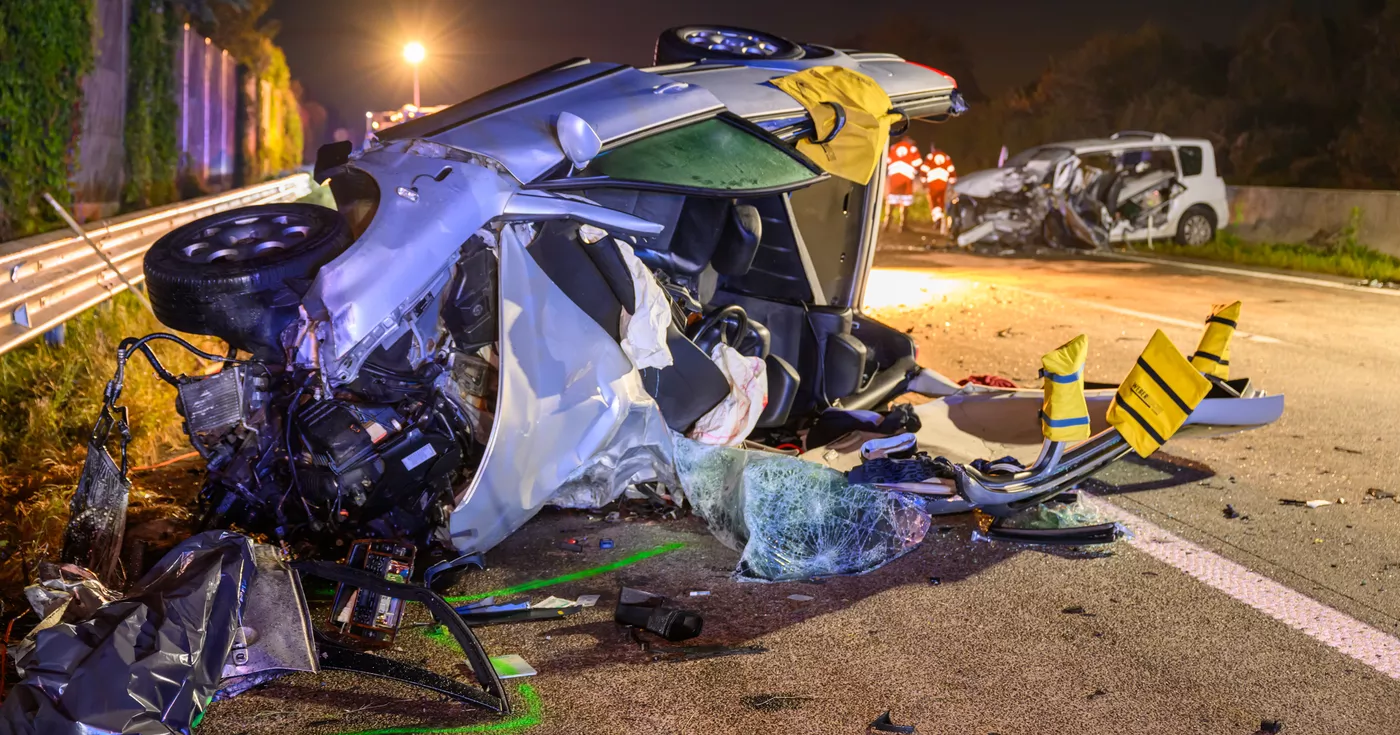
(619, 102)
(746, 92)
(574, 424)
(365, 292)
(539, 206)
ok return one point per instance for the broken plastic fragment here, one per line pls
(512, 666)
(884, 724)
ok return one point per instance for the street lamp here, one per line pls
(413, 53)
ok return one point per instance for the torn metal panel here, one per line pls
(576, 426)
(144, 665)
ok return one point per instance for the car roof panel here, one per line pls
(619, 101)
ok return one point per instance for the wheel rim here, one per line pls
(1197, 230)
(740, 43)
(248, 238)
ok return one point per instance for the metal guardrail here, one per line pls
(46, 280)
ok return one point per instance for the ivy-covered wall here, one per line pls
(277, 147)
(151, 108)
(45, 50)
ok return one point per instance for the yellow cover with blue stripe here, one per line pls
(1158, 395)
(1064, 416)
(1213, 353)
(856, 149)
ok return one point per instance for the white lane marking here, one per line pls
(1375, 648)
(1254, 274)
(1186, 323)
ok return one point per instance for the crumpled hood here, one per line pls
(987, 182)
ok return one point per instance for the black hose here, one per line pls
(131, 343)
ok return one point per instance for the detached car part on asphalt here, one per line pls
(458, 344)
(215, 617)
(1085, 194)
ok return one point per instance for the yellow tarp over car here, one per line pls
(1158, 395)
(855, 151)
(1064, 416)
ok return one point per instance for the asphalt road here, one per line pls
(1010, 640)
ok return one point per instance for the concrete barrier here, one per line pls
(1279, 214)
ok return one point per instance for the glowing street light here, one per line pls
(414, 53)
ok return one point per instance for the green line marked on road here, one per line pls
(571, 576)
(532, 716)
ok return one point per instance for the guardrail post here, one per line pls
(54, 337)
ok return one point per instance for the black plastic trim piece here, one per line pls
(491, 695)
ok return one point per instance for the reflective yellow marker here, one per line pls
(1158, 395)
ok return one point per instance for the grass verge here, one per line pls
(1347, 259)
(49, 398)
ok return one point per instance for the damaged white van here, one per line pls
(1089, 193)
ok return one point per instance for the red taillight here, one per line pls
(936, 71)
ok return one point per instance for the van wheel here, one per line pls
(1196, 227)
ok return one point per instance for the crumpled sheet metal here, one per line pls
(65, 593)
(147, 664)
(574, 425)
(794, 519)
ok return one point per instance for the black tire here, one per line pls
(1196, 226)
(238, 275)
(722, 43)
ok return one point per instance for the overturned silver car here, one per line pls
(532, 297)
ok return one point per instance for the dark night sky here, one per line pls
(347, 53)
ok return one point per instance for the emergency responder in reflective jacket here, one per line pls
(939, 176)
(903, 169)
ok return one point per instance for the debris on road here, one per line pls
(521, 613)
(793, 519)
(801, 598)
(698, 653)
(512, 666)
(699, 593)
(1233, 514)
(883, 723)
(775, 702)
(1269, 727)
(991, 381)
(1375, 493)
(649, 612)
(1348, 450)
(1317, 503)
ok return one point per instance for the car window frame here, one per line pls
(1180, 165)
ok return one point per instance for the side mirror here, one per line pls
(577, 138)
